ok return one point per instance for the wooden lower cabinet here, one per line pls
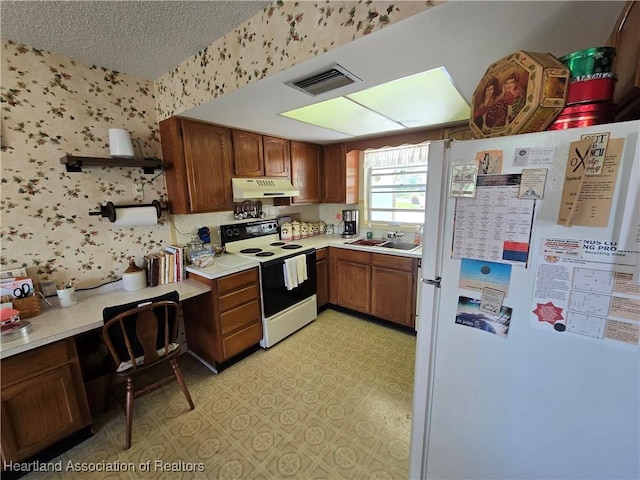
(350, 283)
(227, 321)
(393, 288)
(43, 399)
(322, 276)
(377, 284)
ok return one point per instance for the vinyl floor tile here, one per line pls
(332, 402)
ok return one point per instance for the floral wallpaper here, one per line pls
(286, 33)
(53, 106)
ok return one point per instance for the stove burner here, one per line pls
(291, 246)
(264, 254)
(251, 250)
(276, 244)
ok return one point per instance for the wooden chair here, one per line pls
(147, 334)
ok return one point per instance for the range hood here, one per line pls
(263, 187)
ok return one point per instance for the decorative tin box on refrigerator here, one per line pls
(523, 92)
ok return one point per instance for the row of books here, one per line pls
(165, 266)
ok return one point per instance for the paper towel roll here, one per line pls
(134, 216)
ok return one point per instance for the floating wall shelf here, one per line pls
(75, 164)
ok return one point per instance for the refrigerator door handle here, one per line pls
(435, 283)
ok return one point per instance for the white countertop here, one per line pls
(226, 264)
(57, 323)
(321, 241)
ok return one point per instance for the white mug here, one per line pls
(67, 297)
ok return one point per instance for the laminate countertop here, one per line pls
(56, 323)
(230, 263)
(322, 241)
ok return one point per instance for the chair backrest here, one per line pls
(137, 331)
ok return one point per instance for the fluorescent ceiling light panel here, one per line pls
(427, 98)
(343, 115)
(421, 100)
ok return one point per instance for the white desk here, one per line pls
(57, 323)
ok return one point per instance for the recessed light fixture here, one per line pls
(421, 100)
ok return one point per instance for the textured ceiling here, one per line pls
(149, 38)
(141, 38)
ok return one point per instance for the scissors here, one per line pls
(22, 291)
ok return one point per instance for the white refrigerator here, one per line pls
(547, 384)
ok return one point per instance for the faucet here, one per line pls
(394, 235)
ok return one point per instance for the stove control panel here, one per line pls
(248, 230)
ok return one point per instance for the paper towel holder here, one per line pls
(109, 210)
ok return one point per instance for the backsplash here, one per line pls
(52, 106)
(284, 34)
(186, 226)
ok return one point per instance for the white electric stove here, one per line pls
(284, 310)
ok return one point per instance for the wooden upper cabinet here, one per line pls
(341, 174)
(277, 157)
(305, 172)
(200, 157)
(626, 65)
(248, 157)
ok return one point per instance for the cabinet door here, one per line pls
(305, 172)
(354, 286)
(248, 159)
(38, 412)
(334, 174)
(201, 323)
(208, 155)
(277, 157)
(340, 175)
(199, 174)
(393, 295)
(352, 177)
(626, 64)
(322, 274)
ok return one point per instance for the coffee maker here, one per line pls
(350, 219)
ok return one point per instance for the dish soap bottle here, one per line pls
(417, 238)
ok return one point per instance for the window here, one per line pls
(396, 183)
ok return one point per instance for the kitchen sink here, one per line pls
(400, 245)
(369, 242)
(384, 243)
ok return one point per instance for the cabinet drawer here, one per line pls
(233, 299)
(232, 282)
(354, 256)
(237, 317)
(322, 254)
(241, 340)
(394, 262)
(21, 366)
